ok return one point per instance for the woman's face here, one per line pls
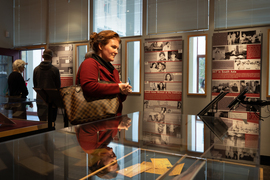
(109, 157)
(21, 69)
(173, 56)
(168, 77)
(110, 50)
(161, 56)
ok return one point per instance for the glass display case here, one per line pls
(133, 146)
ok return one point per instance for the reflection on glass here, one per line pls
(95, 140)
(195, 134)
(197, 64)
(5, 70)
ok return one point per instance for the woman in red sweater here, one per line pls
(105, 47)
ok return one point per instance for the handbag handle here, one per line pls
(79, 71)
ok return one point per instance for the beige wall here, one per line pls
(6, 23)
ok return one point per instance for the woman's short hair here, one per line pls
(17, 64)
(103, 38)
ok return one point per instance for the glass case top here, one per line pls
(134, 146)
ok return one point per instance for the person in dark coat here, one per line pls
(46, 76)
(18, 90)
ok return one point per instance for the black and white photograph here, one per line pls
(250, 37)
(253, 86)
(161, 67)
(168, 77)
(233, 37)
(157, 67)
(218, 53)
(166, 46)
(174, 56)
(234, 52)
(173, 130)
(162, 56)
(248, 64)
(153, 46)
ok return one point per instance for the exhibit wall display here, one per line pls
(163, 91)
(236, 65)
(63, 60)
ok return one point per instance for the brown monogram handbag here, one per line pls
(81, 109)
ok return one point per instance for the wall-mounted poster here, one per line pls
(163, 91)
(63, 60)
(236, 64)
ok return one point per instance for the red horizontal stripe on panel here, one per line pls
(236, 74)
(163, 95)
(145, 82)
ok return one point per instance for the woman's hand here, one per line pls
(125, 88)
(125, 123)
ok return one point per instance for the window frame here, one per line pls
(126, 63)
(268, 63)
(76, 55)
(198, 56)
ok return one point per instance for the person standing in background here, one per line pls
(18, 90)
(46, 76)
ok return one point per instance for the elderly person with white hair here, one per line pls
(17, 88)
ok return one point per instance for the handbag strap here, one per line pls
(79, 71)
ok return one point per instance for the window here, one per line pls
(174, 16)
(133, 133)
(30, 17)
(241, 13)
(80, 51)
(197, 64)
(68, 21)
(195, 134)
(133, 65)
(121, 16)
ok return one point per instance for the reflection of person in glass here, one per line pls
(162, 56)
(94, 139)
(168, 77)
